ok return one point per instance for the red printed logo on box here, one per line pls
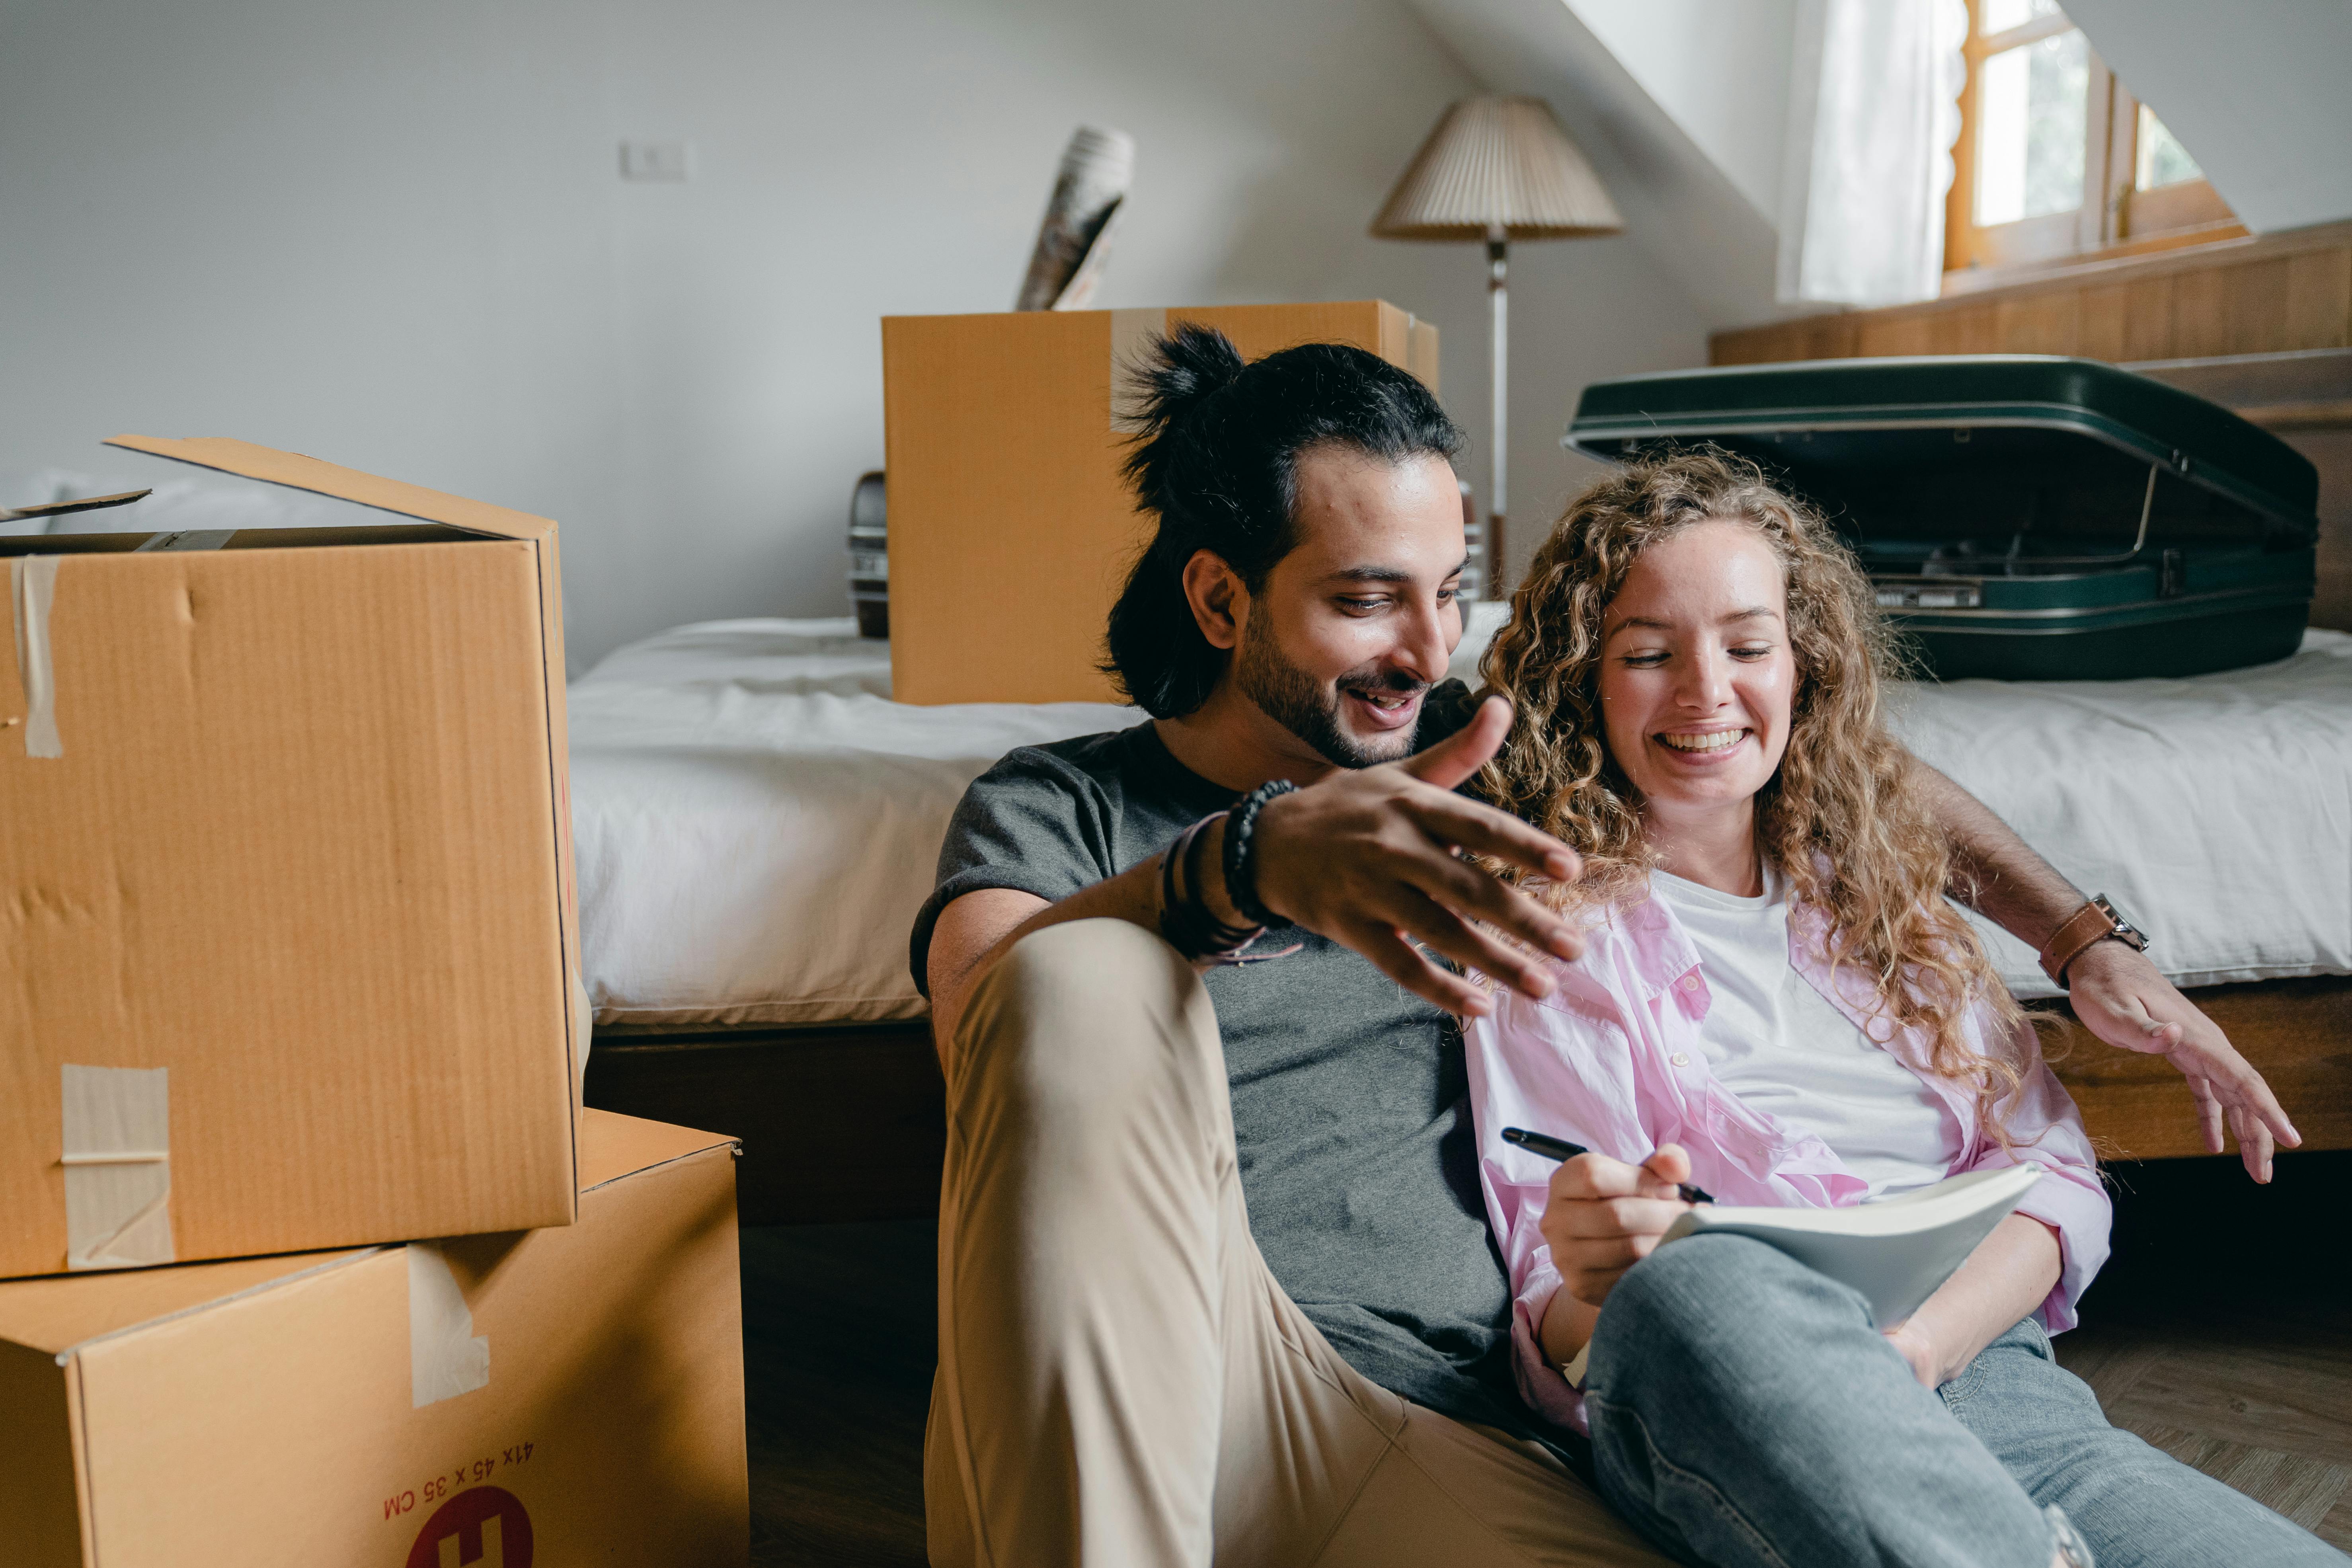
(481, 1527)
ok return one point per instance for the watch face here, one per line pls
(2130, 934)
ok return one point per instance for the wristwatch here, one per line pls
(2094, 922)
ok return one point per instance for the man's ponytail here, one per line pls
(1172, 389)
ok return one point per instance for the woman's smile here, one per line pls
(1702, 748)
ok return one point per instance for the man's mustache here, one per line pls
(1392, 682)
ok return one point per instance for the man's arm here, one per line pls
(2118, 994)
(1993, 870)
(1367, 858)
(972, 933)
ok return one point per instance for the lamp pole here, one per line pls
(1498, 298)
(1497, 168)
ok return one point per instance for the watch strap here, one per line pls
(2091, 923)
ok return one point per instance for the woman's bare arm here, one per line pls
(2008, 1276)
(1566, 1327)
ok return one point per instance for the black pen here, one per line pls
(1552, 1148)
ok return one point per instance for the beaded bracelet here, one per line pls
(1241, 866)
(1186, 923)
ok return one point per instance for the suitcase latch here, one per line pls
(1929, 595)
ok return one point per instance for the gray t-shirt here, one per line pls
(1351, 1108)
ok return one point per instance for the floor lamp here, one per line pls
(1497, 169)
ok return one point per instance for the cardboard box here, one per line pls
(553, 1397)
(1011, 530)
(287, 949)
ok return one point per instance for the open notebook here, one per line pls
(1896, 1252)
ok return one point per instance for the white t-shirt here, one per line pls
(1781, 1046)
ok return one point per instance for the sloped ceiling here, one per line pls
(1680, 207)
(1720, 72)
(2255, 90)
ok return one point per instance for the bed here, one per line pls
(756, 823)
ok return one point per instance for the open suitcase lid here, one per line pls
(1977, 445)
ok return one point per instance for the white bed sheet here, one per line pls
(2215, 811)
(757, 823)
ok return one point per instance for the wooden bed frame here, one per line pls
(846, 1122)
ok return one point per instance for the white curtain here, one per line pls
(1874, 110)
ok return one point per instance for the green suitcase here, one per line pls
(2022, 517)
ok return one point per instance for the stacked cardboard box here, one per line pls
(569, 1395)
(288, 961)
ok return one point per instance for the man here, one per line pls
(1214, 1281)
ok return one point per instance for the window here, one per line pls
(2056, 159)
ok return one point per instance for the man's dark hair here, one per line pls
(1217, 460)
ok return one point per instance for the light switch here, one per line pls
(668, 162)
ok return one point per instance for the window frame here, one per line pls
(2114, 217)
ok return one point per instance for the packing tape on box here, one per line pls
(32, 588)
(1131, 332)
(117, 1137)
(445, 1357)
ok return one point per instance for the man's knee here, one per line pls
(1077, 1018)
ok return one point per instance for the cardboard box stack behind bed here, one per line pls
(288, 963)
(1011, 526)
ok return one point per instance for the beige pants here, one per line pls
(1122, 1381)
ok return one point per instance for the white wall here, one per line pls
(2255, 90)
(396, 237)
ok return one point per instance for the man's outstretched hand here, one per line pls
(2123, 998)
(1368, 857)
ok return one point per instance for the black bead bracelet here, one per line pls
(1185, 922)
(1241, 864)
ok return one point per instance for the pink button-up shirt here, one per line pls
(1612, 1060)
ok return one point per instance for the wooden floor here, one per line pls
(839, 1331)
(2222, 1332)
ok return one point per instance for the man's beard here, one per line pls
(1310, 710)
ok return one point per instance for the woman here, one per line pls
(1778, 1004)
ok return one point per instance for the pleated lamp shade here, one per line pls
(1498, 164)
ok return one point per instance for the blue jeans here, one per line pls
(1745, 1411)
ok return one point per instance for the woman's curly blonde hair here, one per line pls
(1841, 818)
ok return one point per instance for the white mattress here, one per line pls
(757, 823)
(2215, 811)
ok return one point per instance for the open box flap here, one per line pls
(297, 472)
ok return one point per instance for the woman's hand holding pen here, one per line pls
(1603, 1217)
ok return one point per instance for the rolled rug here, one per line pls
(1076, 235)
